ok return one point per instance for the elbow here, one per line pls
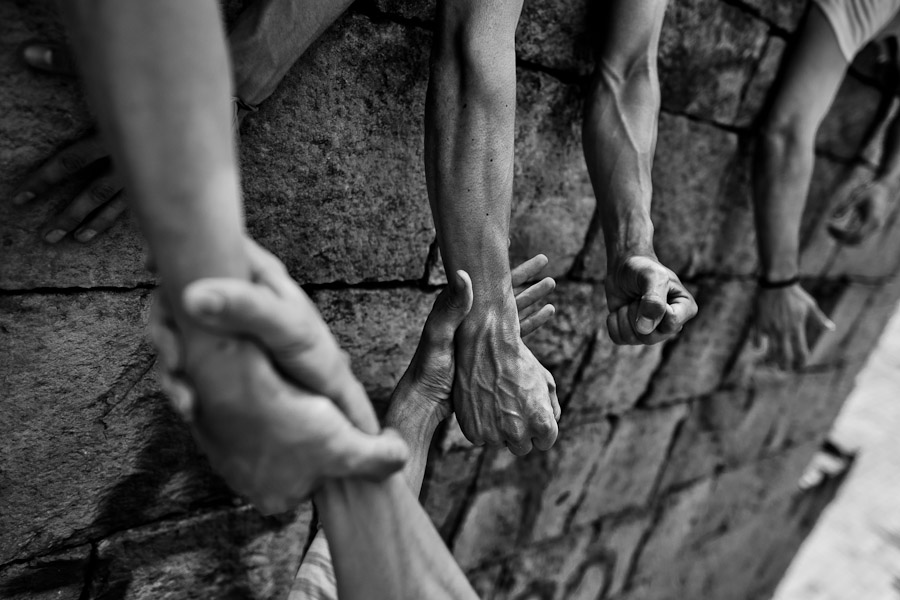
(785, 138)
(481, 64)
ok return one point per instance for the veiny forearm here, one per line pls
(619, 138)
(268, 38)
(783, 166)
(384, 546)
(469, 131)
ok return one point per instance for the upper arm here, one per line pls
(808, 80)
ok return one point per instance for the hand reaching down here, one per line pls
(864, 213)
(501, 394)
(647, 302)
(781, 317)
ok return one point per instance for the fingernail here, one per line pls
(38, 55)
(830, 326)
(54, 236)
(460, 280)
(22, 198)
(644, 325)
(205, 301)
(85, 235)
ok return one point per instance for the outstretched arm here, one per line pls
(503, 395)
(647, 302)
(867, 208)
(785, 152)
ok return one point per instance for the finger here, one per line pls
(820, 317)
(626, 326)
(61, 166)
(544, 435)
(373, 457)
(449, 311)
(100, 191)
(102, 219)
(537, 320)
(49, 57)
(653, 302)
(270, 271)
(534, 294)
(181, 396)
(680, 310)
(801, 348)
(786, 352)
(521, 448)
(612, 325)
(554, 399)
(529, 269)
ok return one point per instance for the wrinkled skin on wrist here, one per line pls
(781, 317)
(647, 302)
(501, 393)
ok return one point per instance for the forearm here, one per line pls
(783, 167)
(268, 38)
(384, 546)
(416, 419)
(469, 131)
(889, 170)
(619, 138)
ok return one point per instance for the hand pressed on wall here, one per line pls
(647, 302)
(862, 214)
(273, 440)
(781, 317)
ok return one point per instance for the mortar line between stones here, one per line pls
(90, 571)
(467, 504)
(757, 14)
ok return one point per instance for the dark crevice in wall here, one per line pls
(562, 75)
(470, 496)
(75, 290)
(90, 572)
(369, 9)
(757, 14)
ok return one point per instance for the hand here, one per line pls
(501, 393)
(426, 385)
(647, 302)
(277, 423)
(864, 213)
(781, 316)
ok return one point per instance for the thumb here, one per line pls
(652, 306)
(450, 309)
(53, 58)
(375, 457)
(821, 317)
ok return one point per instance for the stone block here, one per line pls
(697, 362)
(558, 35)
(332, 161)
(553, 201)
(851, 121)
(707, 54)
(43, 113)
(627, 472)
(396, 314)
(621, 537)
(570, 462)
(59, 576)
(760, 83)
(561, 344)
(784, 14)
(490, 527)
(223, 554)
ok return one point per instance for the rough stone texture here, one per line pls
(675, 472)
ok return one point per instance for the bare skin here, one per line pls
(503, 396)
(384, 545)
(647, 302)
(805, 90)
(176, 155)
(267, 39)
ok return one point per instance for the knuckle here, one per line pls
(72, 161)
(102, 190)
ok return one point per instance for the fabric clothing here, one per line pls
(857, 22)
(315, 580)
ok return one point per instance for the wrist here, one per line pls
(413, 413)
(628, 235)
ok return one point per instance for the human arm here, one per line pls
(647, 302)
(268, 38)
(157, 74)
(783, 164)
(503, 394)
(867, 207)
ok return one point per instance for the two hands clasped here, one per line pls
(306, 418)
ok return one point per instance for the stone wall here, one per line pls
(675, 472)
